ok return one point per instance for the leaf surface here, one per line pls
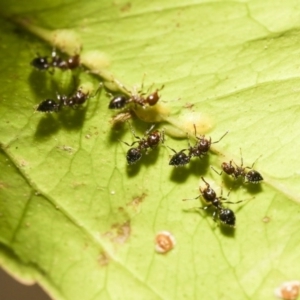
(78, 220)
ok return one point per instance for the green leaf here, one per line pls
(78, 220)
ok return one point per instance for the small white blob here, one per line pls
(289, 290)
(164, 242)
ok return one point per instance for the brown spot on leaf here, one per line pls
(103, 259)
(126, 7)
(266, 219)
(188, 105)
(136, 201)
(122, 232)
(119, 233)
(23, 163)
(3, 185)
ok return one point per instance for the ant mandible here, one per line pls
(150, 140)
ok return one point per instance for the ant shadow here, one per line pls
(147, 160)
(116, 133)
(66, 119)
(235, 184)
(196, 166)
(225, 230)
(42, 85)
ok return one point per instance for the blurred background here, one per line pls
(10, 289)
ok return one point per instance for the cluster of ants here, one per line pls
(152, 138)
(225, 215)
(118, 101)
(44, 63)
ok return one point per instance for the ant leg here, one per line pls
(198, 208)
(99, 88)
(216, 170)
(189, 142)
(143, 80)
(122, 87)
(195, 130)
(133, 132)
(158, 90)
(191, 198)
(242, 161)
(251, 168)
(172, 150)
(240, 201)
(220, 138)
(215, 215)
(162, 139)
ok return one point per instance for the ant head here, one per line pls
(203, 144)
(208, 193)
(228, 168)
(154, 138)
(153, 98)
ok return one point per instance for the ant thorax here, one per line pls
(239, 172)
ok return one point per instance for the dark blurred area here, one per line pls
(10, 289)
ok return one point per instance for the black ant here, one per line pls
(149, 141)
(139, 97)
(179, 159)
(50, 105)
(43, 63)
(225, 215)
(202, 145)
(236, 171)
(71, 63)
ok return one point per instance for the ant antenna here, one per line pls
(220, 138)
(207, 184)
(216, 170)
(150, 129)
